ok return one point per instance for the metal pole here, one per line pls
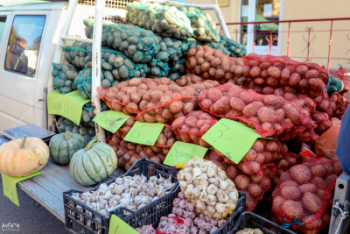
(288, 45)
(96, 65)
(330, 45)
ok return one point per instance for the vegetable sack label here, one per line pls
(72, 106)
(182, 152)
(54, 102)
(144, 133)
(231, 138)
(9, 185)
(111, 120)
(118, 226)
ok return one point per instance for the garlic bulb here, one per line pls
(208, 188)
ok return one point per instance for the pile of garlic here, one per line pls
(208, 188)
(131, 192)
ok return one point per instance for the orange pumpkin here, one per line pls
(23, 156)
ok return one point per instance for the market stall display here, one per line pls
(65, 125)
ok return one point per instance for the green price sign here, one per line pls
(54, 102)
(144, 133)
(118, 226)
(231, 138)
(9, 185)
(182, 152)
(72, 106)
(111, 120)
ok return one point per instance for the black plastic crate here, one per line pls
(84, 219)
(251, 220)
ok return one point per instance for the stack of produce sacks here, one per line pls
(304, 194)
(65, 125)
(64, 76)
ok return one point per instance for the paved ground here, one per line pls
(31, 217)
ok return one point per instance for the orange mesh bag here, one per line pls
(281, 71)
(303, 194)
(192, 127)
(212, 64)
(128, 153)
(189, 79)
(270, 115)
(291, 159)
(127, 95)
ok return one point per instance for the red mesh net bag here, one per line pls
(127, 95)
(281, 71)
(270, 115)
(303, 194)
(192, 127)
(341, 108)
(291, 159)
(128, 153)
(209, 63)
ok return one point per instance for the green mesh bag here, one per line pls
(204, 27)
(88, 114)
(122, 68)
(83, 81)
(334, 85)
(134, 42)
(219, 46)
(65, 125)
(64, 75)
(237, 50)
(168, 21)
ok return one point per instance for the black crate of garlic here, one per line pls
(137, 197)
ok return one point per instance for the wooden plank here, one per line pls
(47, 189)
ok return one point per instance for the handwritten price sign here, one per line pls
(231, 138)
(182, 152)
(144, 133)
(9, 185)
(54, 102)
(118, 226)
(72, 106)
(111, 120)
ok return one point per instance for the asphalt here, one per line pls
(31, 217)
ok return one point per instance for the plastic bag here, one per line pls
(270, 115)
(136, 43)
(304, 192)
(83, 81)
(193, 126)
(122, 68)
(200, 181)
(327, 143)
(168, 21)
(65, 125)
(64, 75)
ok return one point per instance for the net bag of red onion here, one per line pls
(192, 127)
(270, 115)
(304, 194)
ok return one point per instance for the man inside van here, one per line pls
(16, 60)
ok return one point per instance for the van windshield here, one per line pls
(24, 43)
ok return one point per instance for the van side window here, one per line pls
(24, 42)
(2, 25)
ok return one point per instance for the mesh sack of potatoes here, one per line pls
(189, 79)
(83, 81)
(167, 21)
(208, 188)
(65, 125)
(128, 153)
(237, 50)
(64, 75)
(88, 114)
(204, 27)
(341, 108)
(138, 44)
(209, 63)
(288, 161)
(166, 138)
(254, 184)
(191, 127)
(127, 95)
(270, 115)
(304, 194)
(122, 68)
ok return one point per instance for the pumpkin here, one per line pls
(63, 146)
(23, 156)
(93, 164)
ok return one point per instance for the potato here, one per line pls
(285, 74)
(241, 182)
(255, 72)
(265, 114)
(222, 105)
(316, 84)
(251, 109)
(291, 209)
(267, 127)
(237, 104)
(294, 80)
(301, 173)
(301, 69)
(308, 188)
(214, 94)
(274, 72)
(311, 202)
(314, 225)
(175, 107)
(272, 82)
(255, 190)
(292, 113)
(290, 192)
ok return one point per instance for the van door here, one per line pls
(18, 67)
